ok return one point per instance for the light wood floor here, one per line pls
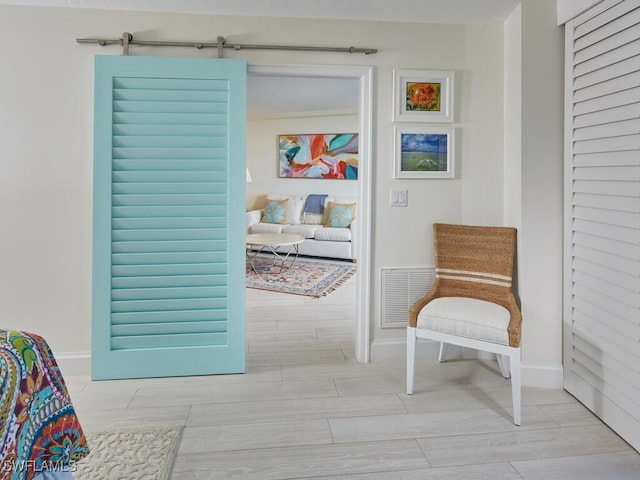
(306, 409)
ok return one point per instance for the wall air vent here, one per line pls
(401, 288)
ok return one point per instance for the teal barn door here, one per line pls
(169, 207)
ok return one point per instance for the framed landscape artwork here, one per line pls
(423, 96)
(329, 156)
(424, 152)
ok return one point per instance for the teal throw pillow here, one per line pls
(340, 215)
(275, 211)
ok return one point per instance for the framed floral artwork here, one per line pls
(423, 96)
(424, 152)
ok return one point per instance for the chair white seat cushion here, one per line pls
(466, 317)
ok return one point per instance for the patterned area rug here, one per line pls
(313, 279)
(145, 453)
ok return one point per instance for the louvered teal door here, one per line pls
(169, 209)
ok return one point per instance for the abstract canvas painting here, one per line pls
(329, 156)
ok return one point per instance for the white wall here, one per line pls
(262, 157)
(46, 139)
(404, 236)
(534, 175)
(513, 119)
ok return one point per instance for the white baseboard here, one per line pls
(542, 377)
(74, 363)
(79, 363)
(396, 349)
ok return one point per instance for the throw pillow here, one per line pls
(275, 211)
(293, 212)
(340, 215)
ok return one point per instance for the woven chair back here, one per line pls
(470, 257)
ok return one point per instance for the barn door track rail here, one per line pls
(127, 39)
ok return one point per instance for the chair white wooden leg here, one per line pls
(516, 385)
(503, 363)
(443, 351)
(411, 358)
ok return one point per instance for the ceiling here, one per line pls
(279, 97)
(414, 11)
(282, 96)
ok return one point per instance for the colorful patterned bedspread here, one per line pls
(39, 429)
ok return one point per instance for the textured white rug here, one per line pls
(144, 453)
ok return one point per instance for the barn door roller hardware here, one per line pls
(127, 40)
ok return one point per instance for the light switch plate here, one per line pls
(398, 198)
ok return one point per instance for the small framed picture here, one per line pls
(424, 152)
(423, 96)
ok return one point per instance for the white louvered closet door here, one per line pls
(602, 223)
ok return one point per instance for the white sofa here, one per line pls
(320, 239)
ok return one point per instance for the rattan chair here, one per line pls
(471, 303)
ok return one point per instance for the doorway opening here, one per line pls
(363, 77)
